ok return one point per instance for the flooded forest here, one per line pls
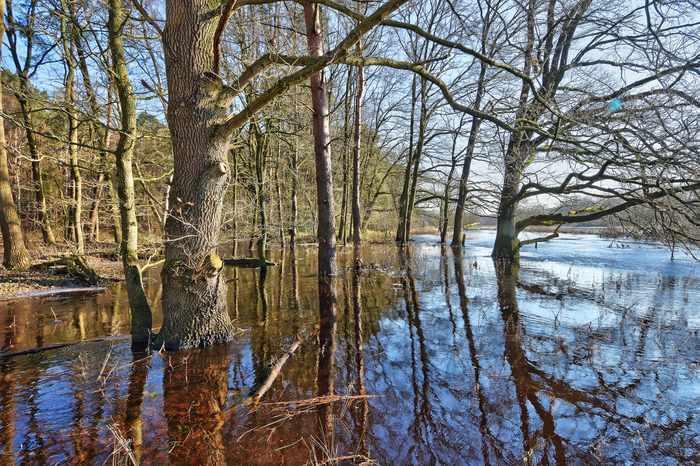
(336, 232)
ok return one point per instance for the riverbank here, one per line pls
(46, 282)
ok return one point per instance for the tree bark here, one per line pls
(15, 255)
(357, 142)
(141, 319)
(458, 227)
(506, 245)
(194, 293)
(23, 96)
(322, 147)
(342, 229)
(422, 128)
(75, 225)
(401, 236)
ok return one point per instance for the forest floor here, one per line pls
(42, 283)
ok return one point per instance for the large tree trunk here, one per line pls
(322, 147)
(15, 255)
(194, 293)
(507, 245)
(357, 142)
(141, 319)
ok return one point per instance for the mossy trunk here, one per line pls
(140, 311)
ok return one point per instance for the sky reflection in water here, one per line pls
(586, 354)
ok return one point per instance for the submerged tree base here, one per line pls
(196, 315)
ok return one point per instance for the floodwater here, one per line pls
(588, 354)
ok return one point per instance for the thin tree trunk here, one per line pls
(357, 142)
(15, 255)
(141, 319)
(403, 201)
(293, 207)
(278, 188)
(422, 126)
(322, 147)
(23, 97)
(458, 227)
(37, 175)
(444, 216)
(342, 235)
(75, 225)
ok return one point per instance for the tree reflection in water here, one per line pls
(195, 390)
(466, 362)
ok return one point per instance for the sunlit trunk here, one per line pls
(141, 319)
(75, 225)
(194, 292)
(15, 255)
(322, 147)
(357, 141)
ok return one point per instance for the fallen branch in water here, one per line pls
(258, 392)
(55, 293)
(247, 262)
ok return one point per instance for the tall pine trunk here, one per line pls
(194, 292)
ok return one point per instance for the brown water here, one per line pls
(586, 355)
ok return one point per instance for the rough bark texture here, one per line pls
(322, 147)
(194, 293)
(140, 311)
(15, 255)
(506, 245)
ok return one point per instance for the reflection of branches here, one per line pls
(593, 402)
(422, 408)
(486, 435)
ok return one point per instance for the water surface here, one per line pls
(586, 354)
